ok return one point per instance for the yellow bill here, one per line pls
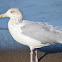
(3, 15)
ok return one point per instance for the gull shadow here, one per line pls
(55, 48)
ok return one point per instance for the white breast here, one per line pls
(16, 33)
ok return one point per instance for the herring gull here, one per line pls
(30, 33)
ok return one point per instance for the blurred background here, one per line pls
(49, 11)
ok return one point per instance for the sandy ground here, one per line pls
(23, 56)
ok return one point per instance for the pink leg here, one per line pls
(31, 56)
(36, 59)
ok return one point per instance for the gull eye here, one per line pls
(12, 11)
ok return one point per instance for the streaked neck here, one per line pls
(16, 21)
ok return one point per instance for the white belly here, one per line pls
(21, 38)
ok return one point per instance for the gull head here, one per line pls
(13, 13)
